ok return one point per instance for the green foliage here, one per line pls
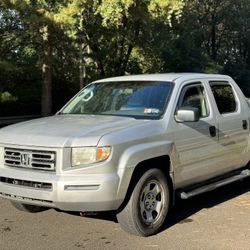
(113, 11)
(7, 97)
(117, 37)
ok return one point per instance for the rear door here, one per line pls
(233, 127)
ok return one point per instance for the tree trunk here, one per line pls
(213, 39)
(46, 104)
(82, 63)
(214, 10)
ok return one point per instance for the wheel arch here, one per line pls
(161, 162)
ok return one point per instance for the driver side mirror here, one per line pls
(187, 114)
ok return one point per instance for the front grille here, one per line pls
(32, 184)
(34, 159)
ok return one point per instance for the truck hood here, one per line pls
(64, 130)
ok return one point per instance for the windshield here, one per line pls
(134, 99)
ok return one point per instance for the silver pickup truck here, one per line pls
(130, 144)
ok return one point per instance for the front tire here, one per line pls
(147, 207)
(28, 208)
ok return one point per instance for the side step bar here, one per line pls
(186, 195)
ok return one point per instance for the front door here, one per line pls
(196, 142)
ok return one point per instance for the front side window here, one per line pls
(193, 96)
(136, 99)
(224, 97)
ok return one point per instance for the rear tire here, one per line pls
(28, 208)
(148, 205)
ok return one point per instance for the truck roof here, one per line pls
(171, 77)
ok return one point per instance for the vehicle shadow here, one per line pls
(183, 209)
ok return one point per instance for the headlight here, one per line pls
(87, 155)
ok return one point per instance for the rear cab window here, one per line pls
(224, 96)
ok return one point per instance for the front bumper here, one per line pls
(89, 192)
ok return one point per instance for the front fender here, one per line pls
(132, 156)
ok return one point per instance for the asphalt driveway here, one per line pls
(217, 220)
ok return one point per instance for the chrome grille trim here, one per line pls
(33, 159)
(24, 183)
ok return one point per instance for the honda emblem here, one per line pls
(25, 159)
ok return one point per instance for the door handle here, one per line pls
(212, 130)
(244, 124)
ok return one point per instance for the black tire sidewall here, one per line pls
(142, 227)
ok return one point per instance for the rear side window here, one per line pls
(224, 97)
